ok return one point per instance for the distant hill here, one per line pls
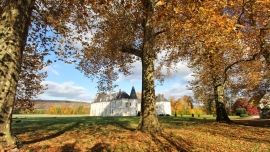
(46, 104)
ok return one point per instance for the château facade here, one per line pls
(122, 104)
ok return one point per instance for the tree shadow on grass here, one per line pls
(127, 127)
(248, 132)
(262, 123)
(179, 143)
(54, 135)
(30, 125)
(70, 147)
(117, 121)
(99, 147)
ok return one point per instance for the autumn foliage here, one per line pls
(58, 111)
(84, 134)
(184, 106)
(242, 103)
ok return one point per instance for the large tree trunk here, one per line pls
(265, 46)
(14, 23)
(148, 120)
(222, 115)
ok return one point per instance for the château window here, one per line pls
(126, 104)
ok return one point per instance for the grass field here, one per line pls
(84, 133)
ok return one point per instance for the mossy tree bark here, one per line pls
(222, 115)
(14, 23)
(264, 45)
(148, 120)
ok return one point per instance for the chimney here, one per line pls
(119, 94)
(110, 95)
(96, 97)
(162, 97)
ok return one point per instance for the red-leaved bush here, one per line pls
(243, 103)
(252, 110)
(240, 103)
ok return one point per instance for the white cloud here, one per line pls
(136, 76)
(49, 69)
(183, 73)
(188, 78)
(177, 90)
(66, 91)
(178, 79)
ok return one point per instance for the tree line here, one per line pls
(184, 106)
(57, 110)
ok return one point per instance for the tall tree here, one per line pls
(254, 17)
(49, 23)
(177, 106)
(137, 30)
(14, 22)
(221, 48)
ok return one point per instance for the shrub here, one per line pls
(267, 107)
(239, 111)
(252, 111)
(244, 115)
(240, 103)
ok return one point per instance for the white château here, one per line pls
(122, 104)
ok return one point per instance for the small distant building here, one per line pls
(123, 104)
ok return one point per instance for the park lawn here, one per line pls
(87, 133)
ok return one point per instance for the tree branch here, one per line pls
(242, 11)
(159, 32)
(132, 50)
(237, 62)
(262, 37)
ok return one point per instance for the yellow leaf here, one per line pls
(201, 9)
(176, 10)
(160, 3)
(239, 26)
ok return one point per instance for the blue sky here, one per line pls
(66, 83)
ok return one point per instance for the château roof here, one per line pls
(133, 94)
(104, 97)
(122, 94)
(160, 98)
(101, 97)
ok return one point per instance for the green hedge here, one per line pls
(244, 115)
(240, 111)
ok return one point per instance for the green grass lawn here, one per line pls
(85, 133)
(204, 116)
